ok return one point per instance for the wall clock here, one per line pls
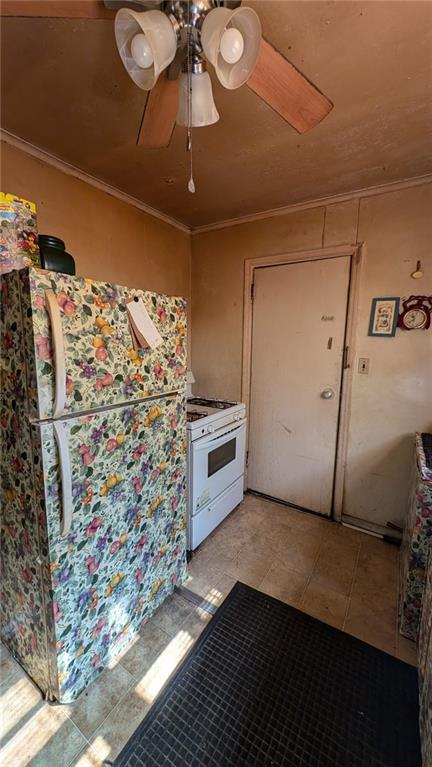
(416, 313)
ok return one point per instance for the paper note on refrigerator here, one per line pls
(144, 331)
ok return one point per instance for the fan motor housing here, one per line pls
(187, 19)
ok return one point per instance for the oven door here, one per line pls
(216, 461)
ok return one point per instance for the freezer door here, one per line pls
(123, 545)
(79, 344)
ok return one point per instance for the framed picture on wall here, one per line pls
(383, 317)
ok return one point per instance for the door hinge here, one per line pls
(252, 291)
(247, 458)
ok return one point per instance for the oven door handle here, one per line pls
(214, 440)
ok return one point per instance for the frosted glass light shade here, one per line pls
(160, 36)
(214, 41)
(204, 111)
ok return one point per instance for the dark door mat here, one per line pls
(266, 684)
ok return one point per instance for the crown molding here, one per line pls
(371, 191)
(72, 170)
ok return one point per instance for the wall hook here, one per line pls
(418, 272)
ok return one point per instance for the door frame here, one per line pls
(354, 251)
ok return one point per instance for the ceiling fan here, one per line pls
(166, 46)
(161, 43)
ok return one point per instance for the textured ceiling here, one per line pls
(64, 89)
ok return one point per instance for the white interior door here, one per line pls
(299, 318)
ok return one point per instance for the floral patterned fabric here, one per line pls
(23, 588)
(425, 470)
(415, 546)
(70, 604)
(425, 669)
(102, 367)
(126, 549)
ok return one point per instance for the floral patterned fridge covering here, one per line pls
(102, 367)
(70, 604)
(415, 546)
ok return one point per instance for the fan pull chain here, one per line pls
(191, 183)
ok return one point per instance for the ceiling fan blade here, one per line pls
(134, 5)
(287, 91)
(159, 115)
(60, 9)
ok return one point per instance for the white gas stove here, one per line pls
(216, 463)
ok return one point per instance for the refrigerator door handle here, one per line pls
(66, 477)
(59, 355)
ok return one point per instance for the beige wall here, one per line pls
(109, 239)
(396, 398)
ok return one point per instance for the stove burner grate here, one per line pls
(217, 404)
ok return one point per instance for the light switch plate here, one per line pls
(363, 365)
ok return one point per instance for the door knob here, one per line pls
(327, 394)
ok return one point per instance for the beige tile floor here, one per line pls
(346, 578)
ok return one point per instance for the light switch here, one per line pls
(363, 365)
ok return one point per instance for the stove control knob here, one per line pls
(210, 429)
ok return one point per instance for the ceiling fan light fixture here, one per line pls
(204, 110)
(231, 41)
(147, 38)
